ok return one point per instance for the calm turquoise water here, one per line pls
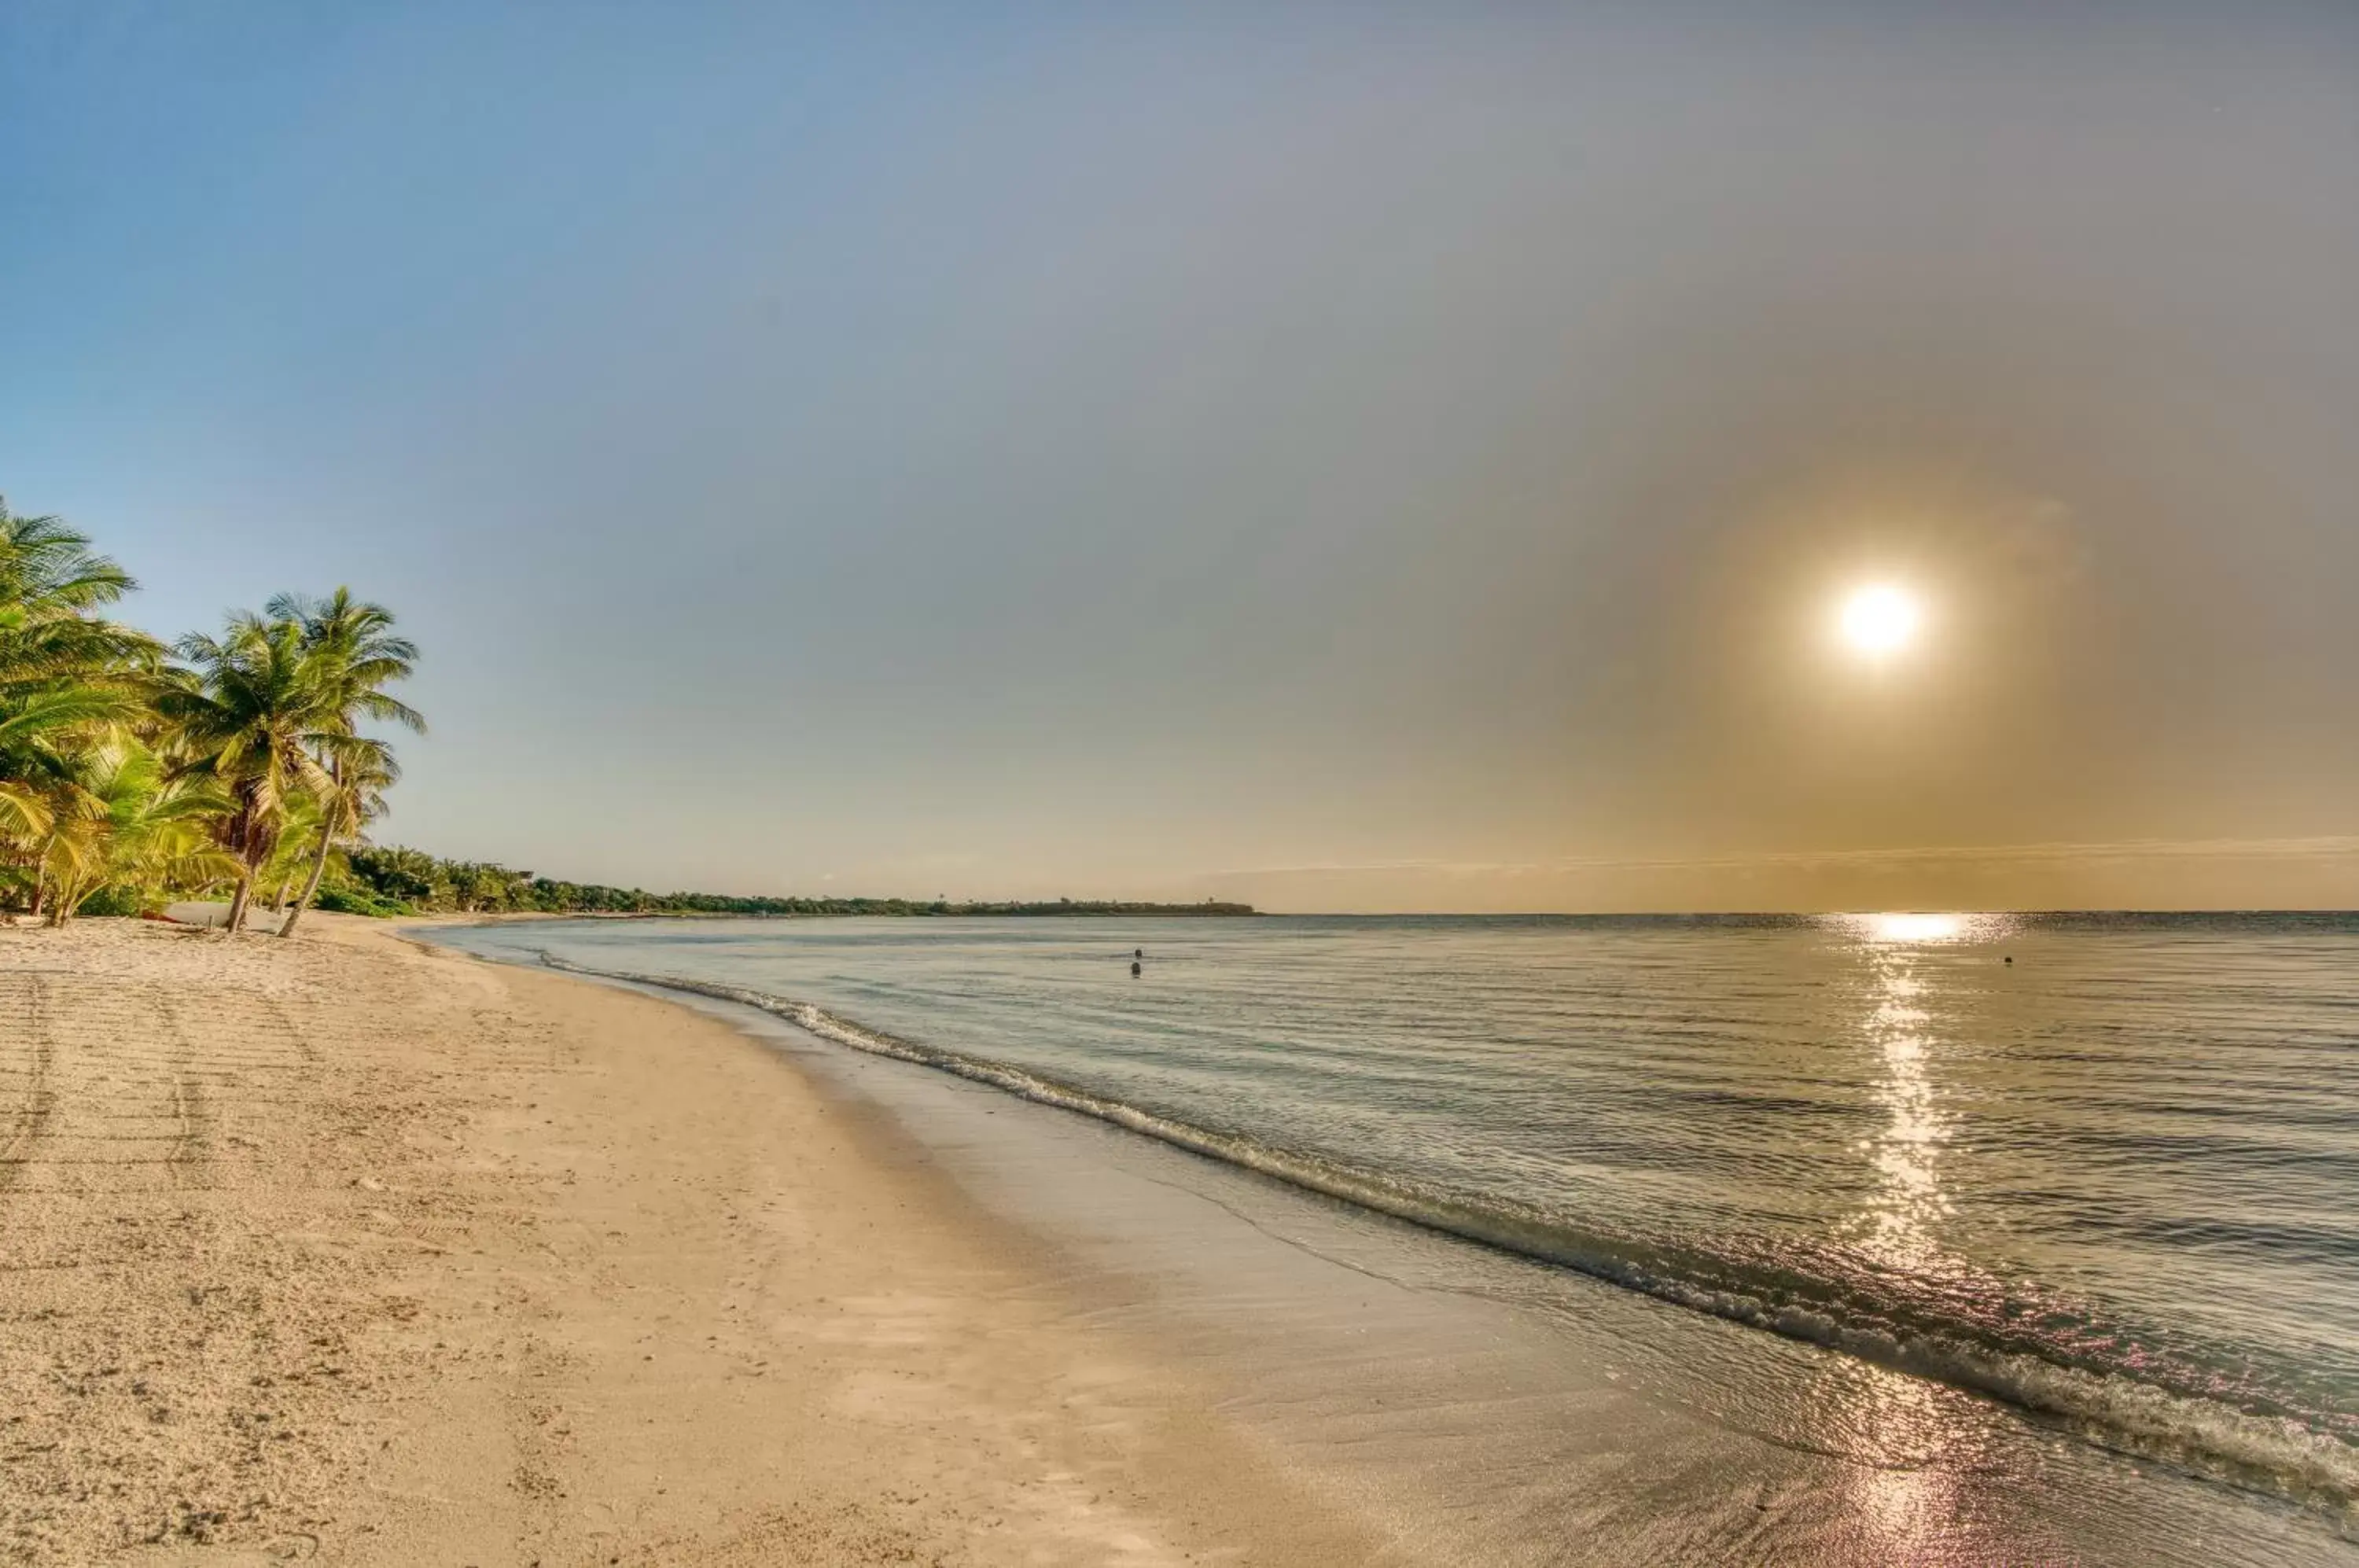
(2114, 1183)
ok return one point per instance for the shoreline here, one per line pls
(356, 1248)
(1479, 1406)
(2236, 1451)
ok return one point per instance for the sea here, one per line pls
(2099, 1172)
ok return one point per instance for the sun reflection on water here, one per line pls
(1925, 1441)
(1908, 1430)
(1901, 1215)
(1905, 1150)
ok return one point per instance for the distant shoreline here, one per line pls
(382, 880)
(960, 912)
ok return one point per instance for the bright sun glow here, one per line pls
(1880, 619)
(1908, 928)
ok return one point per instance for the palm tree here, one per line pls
(52, 588)
(483, 885)
(408, 876)
(357, 655)
(291, 857)
(135, 826)
(253, 714)
(68, 677)
(360, 770)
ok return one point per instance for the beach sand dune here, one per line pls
(343, 1249)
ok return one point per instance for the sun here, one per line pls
(1880, 619)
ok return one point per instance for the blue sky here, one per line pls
(1346, 456)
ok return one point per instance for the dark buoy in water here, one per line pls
(1138, 953)
(2010, 961)
(1135, 969)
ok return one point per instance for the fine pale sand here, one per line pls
(347, 1249)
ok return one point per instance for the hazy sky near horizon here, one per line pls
(1343, 456)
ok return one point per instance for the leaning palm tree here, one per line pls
(291, 857)
(360, 770)
(252, 713)
(357, 655)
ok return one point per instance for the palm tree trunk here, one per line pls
(72, 897)
(285, 886)
(237, 900)
(312, 887)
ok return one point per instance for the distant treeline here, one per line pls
(377, 880)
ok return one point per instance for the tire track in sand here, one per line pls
(34, 1051)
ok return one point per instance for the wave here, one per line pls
(2274, 1449)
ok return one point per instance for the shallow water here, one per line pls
(2109, 1187)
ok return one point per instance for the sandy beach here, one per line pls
(345, 1249)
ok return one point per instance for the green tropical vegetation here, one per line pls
(134, 773)
(131, 772)
(393, 880)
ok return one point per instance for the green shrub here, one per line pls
(358, 901)
(115, 899)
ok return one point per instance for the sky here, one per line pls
(1341, 456)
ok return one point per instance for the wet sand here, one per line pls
(340, 1248)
